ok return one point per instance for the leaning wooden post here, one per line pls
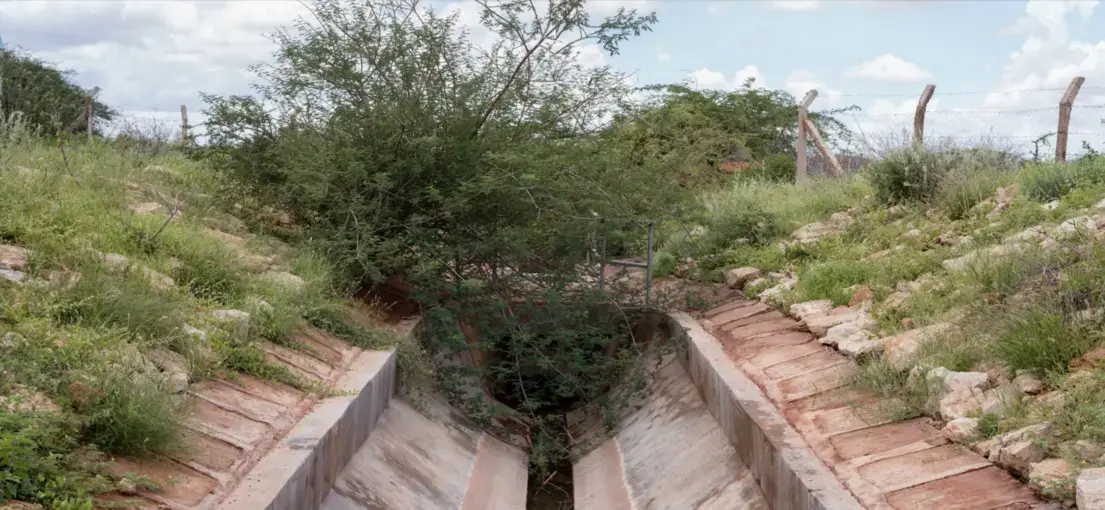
(3, 54)
(801, 175)
(834, 165)
(184, 124)
(1065, 106)
(919, 116)
(88, 116)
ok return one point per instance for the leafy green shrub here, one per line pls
(1081, 415)
(766, 258)
(830, 280)
(779, 168)
(249, 358)
(1045, 182)
(1049, 181)
(663, 264)
(48, 97)
(206, 268)
(902, 397)
(989, 424)
(42, 462)
(335, 319)
(907, 174)
(751, 225)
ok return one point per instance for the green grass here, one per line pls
(81, 344)
(1021, 312)
(1040, 341)
(903, 398)
(961, 191)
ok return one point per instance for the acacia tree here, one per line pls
(703, 128)
(476, 173)
(46, 97)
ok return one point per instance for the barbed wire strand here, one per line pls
(973, 92)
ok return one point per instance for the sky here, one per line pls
(999, 66)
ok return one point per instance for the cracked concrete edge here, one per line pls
(787, 470)
(299, 471)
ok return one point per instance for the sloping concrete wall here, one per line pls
(297, 473)
(670, 453)
(789, 473)
(443, 462)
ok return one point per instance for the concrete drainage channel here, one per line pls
(705, 438)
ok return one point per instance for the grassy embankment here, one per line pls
(104, 288)
(1037, 308)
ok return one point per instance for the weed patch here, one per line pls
(902, 398)
(1040, 341)
(43, 462)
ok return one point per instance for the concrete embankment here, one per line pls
(706, 437)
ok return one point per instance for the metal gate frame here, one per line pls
(647, 265)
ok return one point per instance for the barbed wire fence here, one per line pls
(1033, 134)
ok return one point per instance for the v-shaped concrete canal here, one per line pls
(748, 416)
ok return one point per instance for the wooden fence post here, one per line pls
(801, 176)
(1066, 104)
(834, 165)
(88, 115)
(3, 55)
(919, 116)
(184, 124)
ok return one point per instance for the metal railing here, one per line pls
(647, 265)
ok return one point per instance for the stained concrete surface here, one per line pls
(669, 454)
(411, 461)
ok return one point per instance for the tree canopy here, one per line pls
(47, 97)
(705, 128)
(486, 177)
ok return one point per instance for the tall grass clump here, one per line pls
(756, 212)
(954, 176)
(907, 174)
(739, 220)
(133, 416)
(962, 190)
(1041, 341)
(1044, 182)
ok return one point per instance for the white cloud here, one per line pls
(148, 58)
(607, 8)
(1048, 59)
(813, 5)
(591, 56)
(800, 81)
(717, 6)
(151, 57)
(1023, 103)
(154, 56)
(888, 4)
(795, 5)
(706, 78)
(890, 69)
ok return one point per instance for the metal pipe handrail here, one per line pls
(647, 265)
